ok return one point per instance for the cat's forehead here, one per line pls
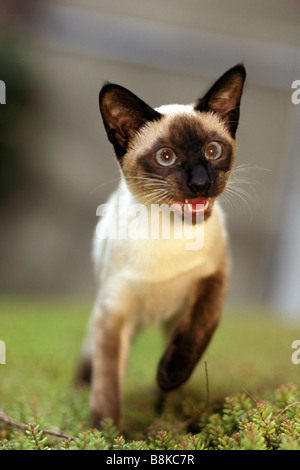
(183, 122)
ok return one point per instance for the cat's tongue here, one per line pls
(196, 205)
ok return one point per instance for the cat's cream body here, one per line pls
(149, 280)
(161, 271)
(172, 154)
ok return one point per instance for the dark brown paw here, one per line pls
(173, 370)
(84, 373)
(96, 420)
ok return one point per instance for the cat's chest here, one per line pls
(152, 278)
(155, 259)
(163, 260)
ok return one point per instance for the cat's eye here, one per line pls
(165, 156)
(213, 150)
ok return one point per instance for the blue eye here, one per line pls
(213, 151)
(165, 156)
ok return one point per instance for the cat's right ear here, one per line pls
(224, 97)
(123, 114)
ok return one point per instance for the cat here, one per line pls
(175, 155)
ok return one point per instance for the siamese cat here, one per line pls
(177, 156)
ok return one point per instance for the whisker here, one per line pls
(155, 180)
(224, 196)
(148, 176)
(101, 185)
(154, 196)
(239, 196)
(242, 187)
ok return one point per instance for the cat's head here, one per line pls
(176, 154)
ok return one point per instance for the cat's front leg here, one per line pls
(111, 343)
(192, 335)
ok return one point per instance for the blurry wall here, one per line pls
(164, 51)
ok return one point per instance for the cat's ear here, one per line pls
(123, 113)
(224, 97)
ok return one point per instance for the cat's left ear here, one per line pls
(224, 97)
(123, 114)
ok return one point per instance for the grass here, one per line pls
(247, 398)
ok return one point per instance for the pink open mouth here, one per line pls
(196, 206)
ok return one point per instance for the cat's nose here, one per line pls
(199, 181)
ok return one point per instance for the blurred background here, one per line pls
(56, 165)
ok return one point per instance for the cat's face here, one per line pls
(184, 158)
(176, 154)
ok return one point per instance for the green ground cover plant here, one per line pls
(244, 394)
